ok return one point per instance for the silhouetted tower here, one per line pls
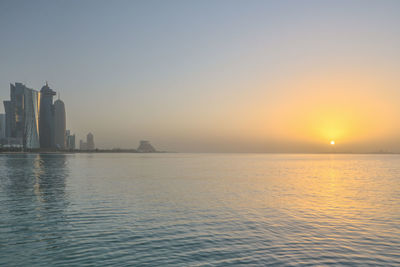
(46, 122)
(59, 124)
(2, 126)
(90, 141)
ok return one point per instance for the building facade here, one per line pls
(70, 140)
(9, 118)
(90, 141)
(22, 116)
(2, 126)
(59, 125)
(31, 119)
(15, 111)
(46, 122)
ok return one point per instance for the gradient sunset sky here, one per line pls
(214, 76)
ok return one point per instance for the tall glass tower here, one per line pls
(31, 119)
(22, 116)
(2, 126)
(59, 124)
(46, 122)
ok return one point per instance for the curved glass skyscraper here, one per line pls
(22, 116)
(31, 119)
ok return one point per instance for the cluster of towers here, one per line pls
(33, 121)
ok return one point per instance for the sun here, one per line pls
(332, 142)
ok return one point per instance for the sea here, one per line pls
(175, 209)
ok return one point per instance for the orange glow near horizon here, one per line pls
(333, 107)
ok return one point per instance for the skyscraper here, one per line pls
(90, 141)
(46, 123)
(22, 116)
(9, 117)
(2, 126)
(59, 124)
(31, 119)
(15, 110)
(70, 140)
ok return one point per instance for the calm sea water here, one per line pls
(199, 209)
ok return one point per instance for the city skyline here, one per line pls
(33, 122)
(218, 77)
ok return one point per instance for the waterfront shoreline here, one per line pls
(163, 152)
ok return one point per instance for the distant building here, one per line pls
(145, 147)
(2, 126)
(9, 117)
(59, 125)
(46, 123)
(14, 109)
(82, 145)
(70, 140)
(90, 141)
(31, 119)
(22, 116)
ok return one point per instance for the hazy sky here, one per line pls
(249, 76)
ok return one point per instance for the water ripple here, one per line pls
(199, 210)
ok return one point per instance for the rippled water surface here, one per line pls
(199, 209)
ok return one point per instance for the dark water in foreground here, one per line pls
(199, 209)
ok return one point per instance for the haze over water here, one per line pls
(199, 209)
(214, 76)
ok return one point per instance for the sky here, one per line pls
(213, 76)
